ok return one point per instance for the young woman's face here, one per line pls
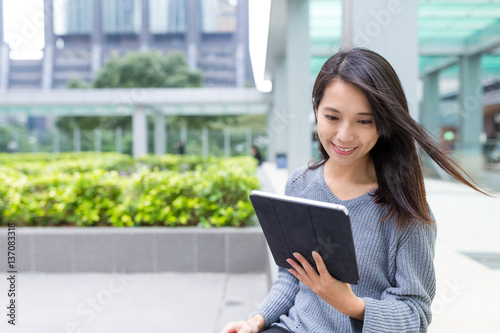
(346, 127)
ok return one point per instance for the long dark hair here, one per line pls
(395, 155)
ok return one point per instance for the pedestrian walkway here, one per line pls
(467, 291)
(466, 299)
(132, 303)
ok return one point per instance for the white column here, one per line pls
(77, 140)
(4, 66)
(193, 33)
(48, 67)
(96, 39)
(241, 37)
(299, 80)
(97, 139)
(160, 134)
(204, 141)
(145, 36)
(139, 132)
(48, 53)
(470, 105)
(96, 58)
(278, 119)
(240, 65)
(388, 27)
(4, 55)
(249, 139)
(429, 114)
(56, 140)
(118, 140)
(184, 135)
(227, 142)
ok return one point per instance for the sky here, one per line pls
(23, 31)
(23, 28)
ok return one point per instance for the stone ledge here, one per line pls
(137, 250)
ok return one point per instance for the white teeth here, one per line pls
(343, 149)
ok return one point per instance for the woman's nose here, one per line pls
(345, 133)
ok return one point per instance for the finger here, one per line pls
(299, 272)
(294, 273)
(320, 264)
(229, 328)
(303, 261)
(306, 265)
(296, 266)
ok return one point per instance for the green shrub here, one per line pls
(37, 163)
(89, 189)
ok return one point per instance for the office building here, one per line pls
(81, 35)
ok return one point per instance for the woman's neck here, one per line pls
(350, 181)
(360, 173)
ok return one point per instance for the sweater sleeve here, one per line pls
(281, 297)
(405, 307)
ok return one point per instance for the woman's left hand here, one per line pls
(336, 293)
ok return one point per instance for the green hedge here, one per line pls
(92, 189)
(42, 163)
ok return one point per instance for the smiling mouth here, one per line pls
(345, 150)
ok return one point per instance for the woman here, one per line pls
(257, 155)
(371, 165)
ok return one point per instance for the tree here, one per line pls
(134, 70)
(78, 84)
(147, 70)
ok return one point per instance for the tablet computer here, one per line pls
(293, 224)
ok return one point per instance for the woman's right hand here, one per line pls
(253, 325)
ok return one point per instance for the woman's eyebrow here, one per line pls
(328, 108)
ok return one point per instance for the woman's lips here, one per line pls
(343, 150)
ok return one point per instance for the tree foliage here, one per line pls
(147, 70)
(134, 70)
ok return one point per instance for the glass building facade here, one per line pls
(121, 17)
(84, 34)
(219, 16)
(73, 17)
(167, 16)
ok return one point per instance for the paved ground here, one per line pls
(132, 303)
(468, 291)
(466, 300)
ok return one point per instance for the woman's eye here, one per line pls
(331, 117)
(366, 122)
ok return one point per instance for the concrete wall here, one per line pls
(230, 250)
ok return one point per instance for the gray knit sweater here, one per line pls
(396, 270)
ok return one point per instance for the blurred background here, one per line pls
(51, 46)
(446, 53)
(156, 107)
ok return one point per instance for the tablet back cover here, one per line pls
(300, 227)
